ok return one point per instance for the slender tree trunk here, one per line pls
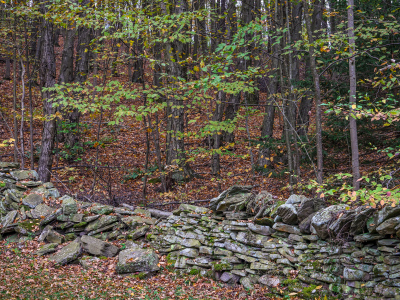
(317, 95)
(47, 79)
(353, 96)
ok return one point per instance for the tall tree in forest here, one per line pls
(317, 94)
(47, 79)
(352, 96)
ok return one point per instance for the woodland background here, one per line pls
(161, 102)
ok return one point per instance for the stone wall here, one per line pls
(241, 238)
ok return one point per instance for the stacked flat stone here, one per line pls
(352, 252)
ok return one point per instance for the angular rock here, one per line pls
(229, 278)
(32, 200)
(388, 226)
(263, 230)
(305, 225)
(367, 237)
(230, 198)
(100, 209)
(386, 213)
(189, 252)
(340, 227)
(286, 228)
(353, 274)
(41, 211)
(323, 218)
(134, 221)
(296, 199)
(9, 218)
(69, 205)
(88, 261)
(46, 249)
(137, 260)
(54, 237)
(68, 253)
(246, 282)
(51, 217)
(359, 224)
(270, 281)
(44, 233)
(308, 207)
(288, 213)
(97, 247)
(138, 233)
(25, 175)
(101, 222)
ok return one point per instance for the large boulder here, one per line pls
(234, 198)
(25, 175)
(288, 213)
(324, 218)
(68, 253)
(309, 206)
(98, 247)
(137, 260)
(101, 222)
(388, 226)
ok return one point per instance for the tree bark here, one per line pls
(353, 97)
(317, 95)
(47, 79)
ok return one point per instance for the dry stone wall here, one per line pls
(241, 238)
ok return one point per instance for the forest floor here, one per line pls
(26, 276)
(120, 154)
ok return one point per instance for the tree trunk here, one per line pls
(47, 79)
(317, 94)
(353, 99)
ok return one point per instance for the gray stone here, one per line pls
(263, 230)
(388, 242)
(190, 243)
(51, 217)
(140, 232)
(305, 224)
(270, 281)
(323, 218)
(67, 254)
(387, 227)
(359, 224)
(309, 206)
(189, 252)
(387, 212)
(54, 237)
(367, 237)
(101, 222)
(181, 262)
(340, 227)
(286, 228)
(76, 218)
(32, 200)
(229, 278)
(69, 205)
(137, 260)
(44, 233)
(229, 197)
(288, 213)
(46, 249)
(97, 247)
(353, 274)
(25, 175)
(296, 199)
(41, 211)
(9, 218)
(100, 209)
(134, 221)
(247, 284)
